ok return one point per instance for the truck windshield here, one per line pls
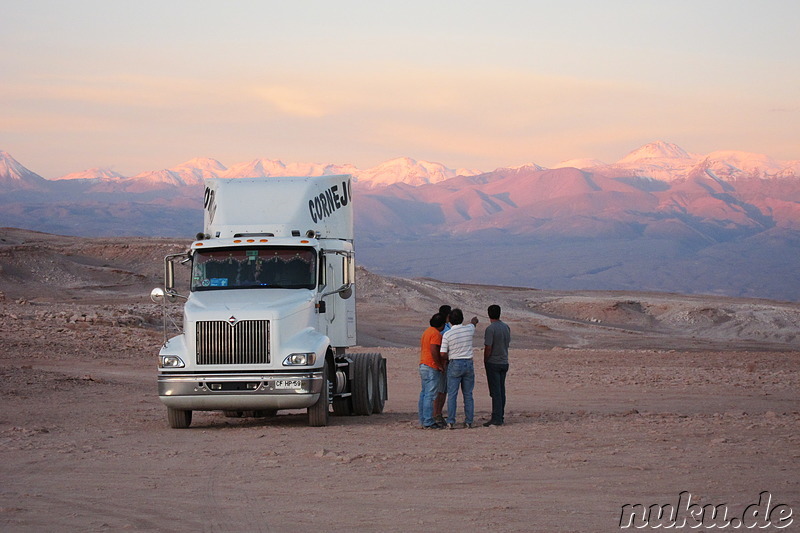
(256, 267)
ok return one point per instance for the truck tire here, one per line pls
(178, 418)
(363, 384)
(318, 413)
(379, 398)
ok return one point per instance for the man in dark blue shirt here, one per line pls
(496, 339)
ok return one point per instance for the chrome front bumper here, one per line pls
(210, 392)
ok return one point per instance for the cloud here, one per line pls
(296, 101)
(129, 91)
(476, 118)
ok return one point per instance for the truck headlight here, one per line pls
(300, 359)
(170, 361)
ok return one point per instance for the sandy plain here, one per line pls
(613, 399)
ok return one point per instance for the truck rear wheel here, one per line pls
(363, 384)
(179, 418)
(380, 395)
(318, 413)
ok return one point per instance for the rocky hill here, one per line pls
(103, 279)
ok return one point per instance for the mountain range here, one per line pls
(660, 218)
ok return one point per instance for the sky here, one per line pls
(145, 85)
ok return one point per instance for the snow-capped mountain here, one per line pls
(526, 166)
(264, 168)
(660, 218)
(97, 173)
(15, 176)
(669, 162)
(190, 173)
(584, 162)
(400, 170)
(196, 170)
(730, 165)
(656, 150)
(193, 172)
(658, 160)
(408, 171)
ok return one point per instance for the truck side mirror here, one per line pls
(157, 295)
(347, 268)
(169, 276)
(346, 290)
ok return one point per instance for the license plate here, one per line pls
(288, 384)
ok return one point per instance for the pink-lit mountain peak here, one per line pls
(746, 161)
(583, 162)
(528, 167)
(256, 168)
(10, 168)
(96, 173)
(658, 160)
(201, 163)
(14, 174)
(409, 171)
(656, 150)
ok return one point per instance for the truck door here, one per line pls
(327, 284)
(338, 321)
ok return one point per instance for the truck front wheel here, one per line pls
(318, 413)
(179, 418)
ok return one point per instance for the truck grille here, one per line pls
(244, 343)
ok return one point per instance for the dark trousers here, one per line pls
(496, 378)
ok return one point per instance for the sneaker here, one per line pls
(492, 423)
(450, 426)
(440, 420)
(434, 426)
(469, 426)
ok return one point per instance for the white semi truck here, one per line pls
(270, 309)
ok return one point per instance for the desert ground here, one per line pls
(613, 399)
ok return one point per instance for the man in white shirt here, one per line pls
(457, 349)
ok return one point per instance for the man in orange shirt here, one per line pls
(430, 369)
(441, 391)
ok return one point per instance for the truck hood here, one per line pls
(247, 304)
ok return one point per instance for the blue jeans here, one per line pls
(460, 372)
(496, 378)
(442, 388)
(429, 378)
